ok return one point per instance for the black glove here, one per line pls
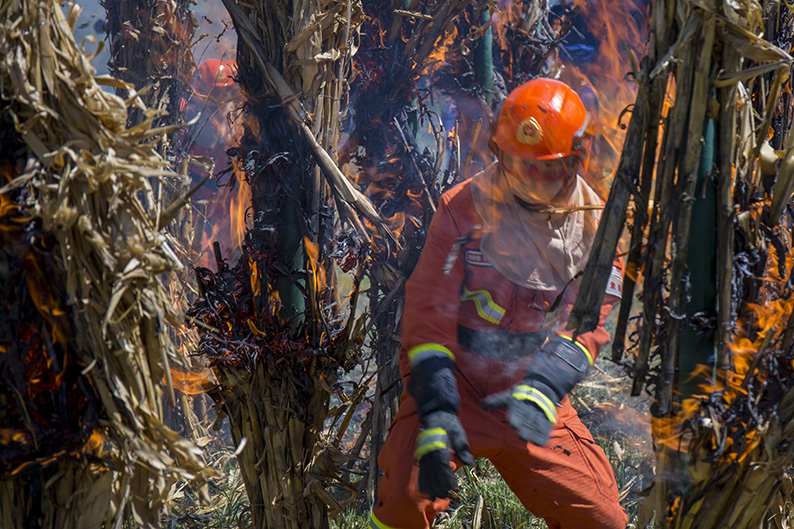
(442, 430)
(433, 386)
(531, 404)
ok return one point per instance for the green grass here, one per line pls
(228, 508)
(500, 508)
(618, 422)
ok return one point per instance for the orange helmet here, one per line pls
(213, 74)
(542, 119)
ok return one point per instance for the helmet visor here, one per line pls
(541, 170)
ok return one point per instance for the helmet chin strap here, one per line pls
(536, 208)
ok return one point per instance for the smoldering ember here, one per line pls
(396, 264)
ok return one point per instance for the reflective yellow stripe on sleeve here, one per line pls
(582, 347)
(428, 350)
(484, 303)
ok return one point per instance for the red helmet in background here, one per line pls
(213, 76)
(542, 119)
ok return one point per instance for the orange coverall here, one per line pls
(569, 482)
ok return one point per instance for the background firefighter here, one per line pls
(214, 95)
(486, 362)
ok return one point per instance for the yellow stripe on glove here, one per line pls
(524, 392)
(430, 439)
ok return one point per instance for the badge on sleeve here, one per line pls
(615, 283)
(477, 258)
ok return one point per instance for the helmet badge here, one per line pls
(529, 132)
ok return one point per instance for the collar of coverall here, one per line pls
(533, 248)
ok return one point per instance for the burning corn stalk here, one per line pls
(706, 165)
(164, 29)
(272, 324)
(381, 154)
(287, 256)
(83, 356)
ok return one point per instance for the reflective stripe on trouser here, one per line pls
(374, 523)
(569, 482)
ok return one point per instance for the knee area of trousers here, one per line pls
(608, 516)
(601, 515)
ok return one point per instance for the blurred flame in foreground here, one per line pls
(194, 382)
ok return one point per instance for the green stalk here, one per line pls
(483, 58)
(292, 254)
(697, 346)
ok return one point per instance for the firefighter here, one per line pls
(213, 91)
(486, 360)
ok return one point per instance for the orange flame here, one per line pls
(318, 272)
(443, 47)
(254, 328)
(10, 212)
(256, 287)
(760, 327)
(619, 27)
(239, 206)
(192, 383)
(95, 443)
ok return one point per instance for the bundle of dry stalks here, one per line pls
(272, 324)
(86, 182)
(720, 457)
(151, 48)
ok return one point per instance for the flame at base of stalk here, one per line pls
(49, 409)
(238, 317)
(739, 428)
